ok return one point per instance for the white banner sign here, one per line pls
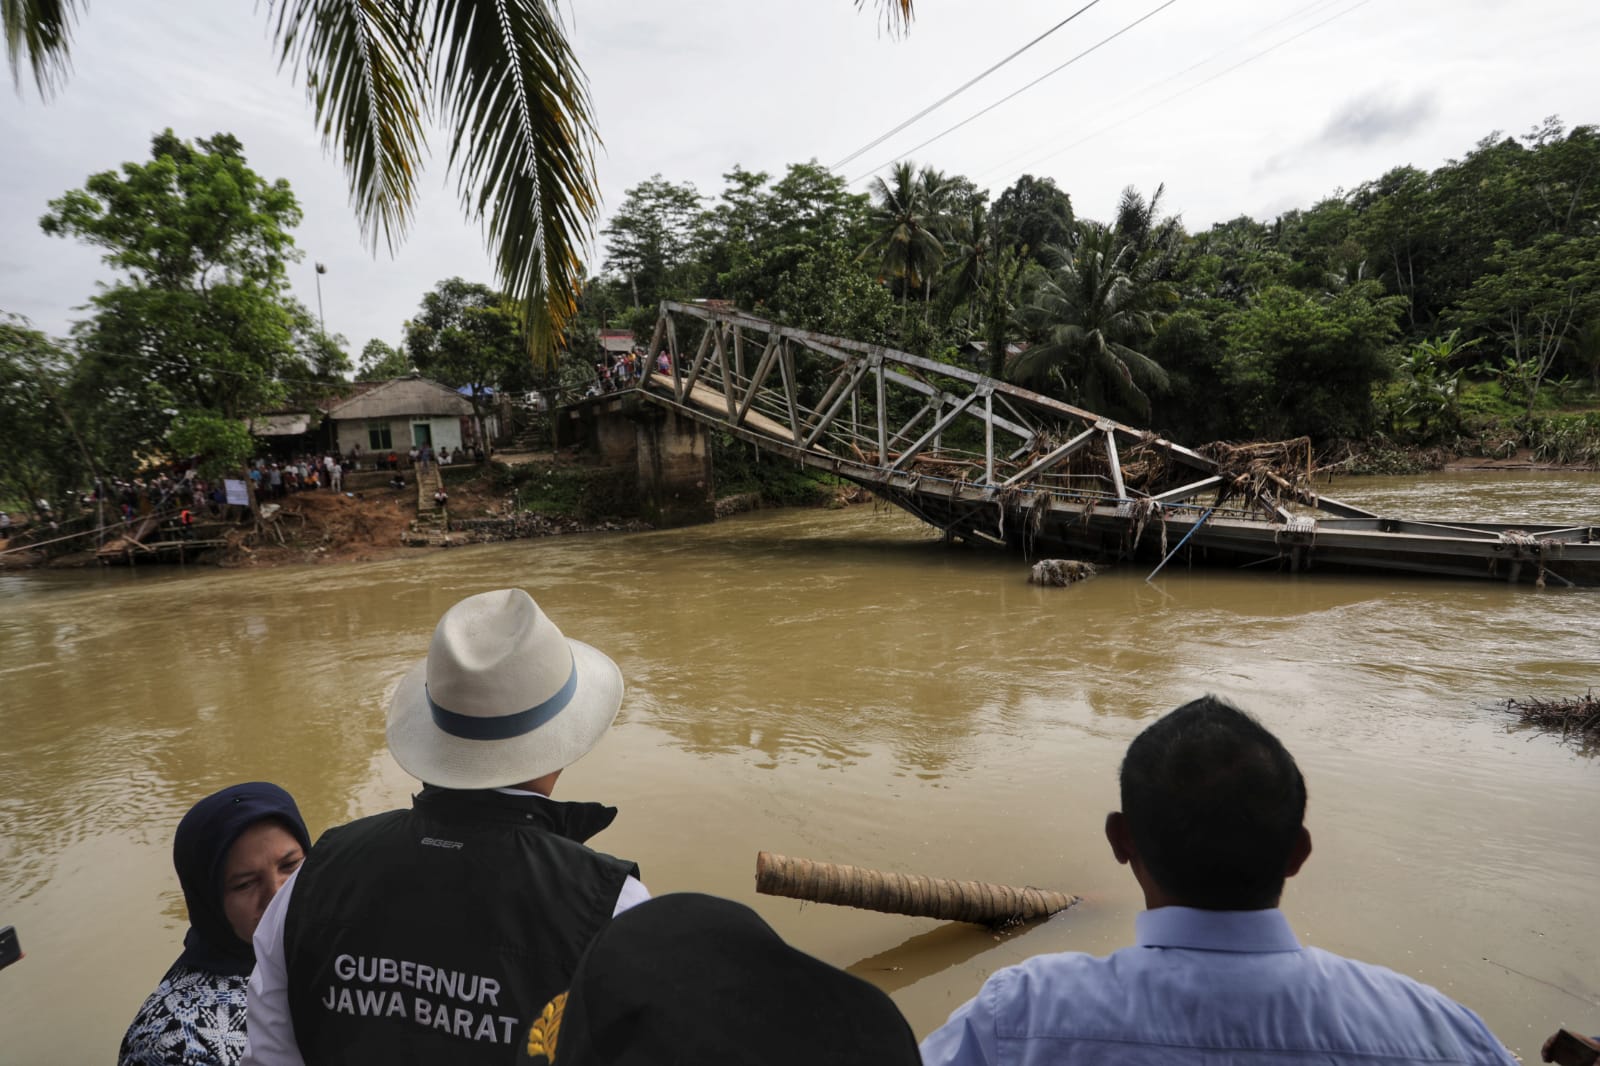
(236, 491)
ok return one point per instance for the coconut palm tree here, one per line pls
(500, 74)
(1096, 305)
(905, 237)
(987, 272)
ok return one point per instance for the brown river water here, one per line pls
(839, 686)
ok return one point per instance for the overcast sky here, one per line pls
(1239, 106)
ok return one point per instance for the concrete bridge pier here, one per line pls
(659, 461)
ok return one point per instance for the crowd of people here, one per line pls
(275, 479)
(478, 926)
(623, 370)
(181, 496)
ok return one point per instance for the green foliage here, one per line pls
(740, 469)
(649, 238)
(466, 335)
(1297, 364)
(380, 361)
(40, 459)
(199, 316)
(222, 445)
(548, 490)
(1032, 214)
(1423, 402)
(1535, 300)
(1086, 319)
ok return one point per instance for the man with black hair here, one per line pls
(1212, 823)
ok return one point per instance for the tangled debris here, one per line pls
(1059, 573)
(1267, 471)
(1578, 720)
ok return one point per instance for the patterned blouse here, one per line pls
(193, 1018)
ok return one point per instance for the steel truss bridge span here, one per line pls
(986, 461)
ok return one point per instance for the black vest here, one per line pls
(437, 934)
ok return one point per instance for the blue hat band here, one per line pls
(503, 726)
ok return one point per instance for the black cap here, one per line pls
(695, 979)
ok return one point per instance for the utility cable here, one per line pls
(952, 95)
(1010, 96)
(1201, 84)
(1002, 166)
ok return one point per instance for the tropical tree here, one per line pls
(469, 337)
(41, 459)
(1034, 213)
(649, 239)
(199, 318)
(380, 360)
(905, 228)
(500, 74)
(986, 271)
(1088, 316)
(1299, 363)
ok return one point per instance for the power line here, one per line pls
(1002, 166)
(952, 95)
(1051, 73)
(1201, 84)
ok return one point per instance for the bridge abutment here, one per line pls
(660, 461)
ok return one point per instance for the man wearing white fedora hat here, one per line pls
(434, 934)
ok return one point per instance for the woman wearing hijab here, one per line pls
(233, 851)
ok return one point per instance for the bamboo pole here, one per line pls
(924, 897)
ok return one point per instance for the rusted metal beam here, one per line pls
(790, 389)
(1049, 459)
(832, 412)
(699, 361)
(1112, 459)
(933, 431)
(763, 367)
(727, 371)
(672, 351)
(1189, 491)
(933, 402)
(883, 417)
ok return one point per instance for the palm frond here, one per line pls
(39, 32)
(897, 14)
(522, 147)
(366, 79)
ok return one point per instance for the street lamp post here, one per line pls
(323, 322)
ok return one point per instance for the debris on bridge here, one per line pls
(1577, 720)
(1059, 573)
(979, 902)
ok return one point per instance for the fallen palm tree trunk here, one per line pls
(1576, 719)
(913, 894)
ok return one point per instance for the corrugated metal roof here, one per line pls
(401, 397)
(281, 425)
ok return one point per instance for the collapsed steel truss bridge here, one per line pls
(986, 461)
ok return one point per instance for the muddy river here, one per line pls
(839, 686)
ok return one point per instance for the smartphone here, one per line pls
(10, 950)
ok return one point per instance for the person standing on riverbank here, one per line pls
(436, 934)
(1212, 824)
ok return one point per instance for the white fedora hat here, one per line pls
(502, 697)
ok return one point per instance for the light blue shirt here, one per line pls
(1223, 988)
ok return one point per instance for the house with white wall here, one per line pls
(397, 414)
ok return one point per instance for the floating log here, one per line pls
(922, 897)
(1060, 573)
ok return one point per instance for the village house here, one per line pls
(397, 414)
